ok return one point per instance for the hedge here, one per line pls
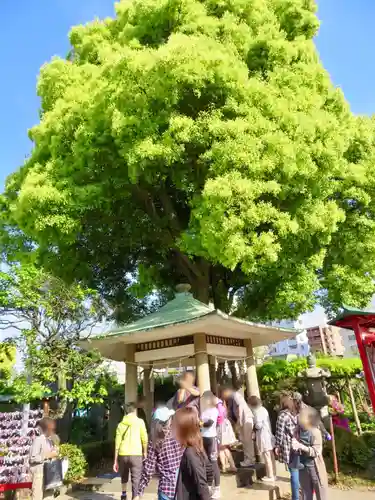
(98, 451)
(352, 450)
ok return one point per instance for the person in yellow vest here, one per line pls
(130, 449)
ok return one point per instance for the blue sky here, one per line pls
(345, 43)
(33, 32)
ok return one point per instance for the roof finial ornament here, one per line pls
(183, 288)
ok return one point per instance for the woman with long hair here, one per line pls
(192, 483)
(285, 430)
(163, 455)
(309, 444)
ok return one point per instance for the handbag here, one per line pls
(52, 474)
(64, 466)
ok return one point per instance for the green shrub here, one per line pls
(352, 450)
(97, 452)
(77, 462)
(361, 453)
(368, 426)
(369, 438)
(82, 431)
(279, 375)
(364, 417)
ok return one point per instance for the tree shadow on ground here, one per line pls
(273, 490)
(93, 495)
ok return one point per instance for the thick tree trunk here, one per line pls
(64, 424)
(211, 285)
(62, 404)
(222, 299)
(200, 287)
(59, 412)
(201, 291)
(221, 294)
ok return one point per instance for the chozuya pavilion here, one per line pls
(185, 332)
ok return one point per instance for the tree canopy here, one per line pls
(50, 318)
(199, 141)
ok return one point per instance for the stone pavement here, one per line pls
(229, 490)
(111, 490)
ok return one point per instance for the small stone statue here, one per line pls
(315, 380)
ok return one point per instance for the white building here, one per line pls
(349, 342)
(298, 346)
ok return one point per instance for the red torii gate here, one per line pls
(362, 322)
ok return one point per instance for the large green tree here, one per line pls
(199, 141)
(49, 318)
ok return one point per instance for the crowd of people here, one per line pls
(193, 433)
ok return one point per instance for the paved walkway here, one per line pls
(111, 490)
(232, 493)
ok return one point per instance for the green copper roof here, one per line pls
(182, 309)
(351, 311)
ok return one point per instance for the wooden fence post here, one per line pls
(335, 464)
(354, 408)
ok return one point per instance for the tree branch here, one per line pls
(169, 210)
(6, 327)
(190, 265)
(190, 268)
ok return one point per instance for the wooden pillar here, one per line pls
(148, 393)
(201, 362)
(131, 382)
(251, 373)
(213, 379)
